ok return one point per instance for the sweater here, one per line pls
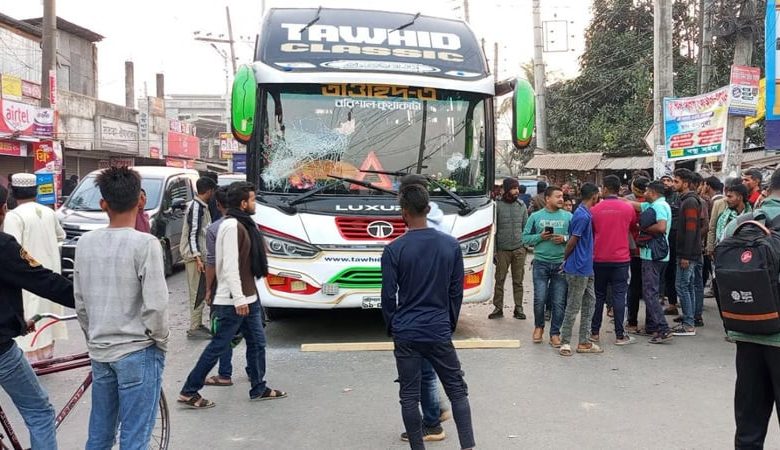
(422, 286)
(193, 232)
(120, 292)
(547, 250)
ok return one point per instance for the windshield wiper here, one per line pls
(305, 195)
(313, 21)
(408, 24)
(465, 208)
(364, 184)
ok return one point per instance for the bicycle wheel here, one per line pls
(162, 428)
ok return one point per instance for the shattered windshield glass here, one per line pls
(312, 131)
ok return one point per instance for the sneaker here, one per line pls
(684, 330)
(671, 310)
(429, 434)
(519, 314)
(625, 340)
(678, 319)
(496, 314)
(662, 338)
(698, 322)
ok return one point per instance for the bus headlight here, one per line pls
(283, 246)
(475, 244)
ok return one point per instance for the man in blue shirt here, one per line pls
(422, 291)
(578, 271)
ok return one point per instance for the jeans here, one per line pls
(429, 399)
(652, 271)
(21, 384)
(670, 274)
(686, 290)
(409, 357)
(615, 276)
(514, 259)
(549, 281)
(756, 392)
(580, 297)
(125, 395)
(634, 292)
(251, 327)
(698, 290)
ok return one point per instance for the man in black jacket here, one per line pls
(22, 271)
(689, 249)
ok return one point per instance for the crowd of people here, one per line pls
(610, 249)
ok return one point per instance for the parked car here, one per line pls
(168, 192)
(229, 178)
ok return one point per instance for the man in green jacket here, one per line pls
(511, 217)
(758, 361)
(547, 230)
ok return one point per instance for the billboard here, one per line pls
(695, 127)
(772, 58)
(26, 120)
(744, 90)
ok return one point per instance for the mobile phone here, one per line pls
(549, 230)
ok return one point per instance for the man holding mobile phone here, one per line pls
(547, 231)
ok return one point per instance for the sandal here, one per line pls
(592, 349)
(565, 350)
(270, 394)
(216, 380)
(195, 402)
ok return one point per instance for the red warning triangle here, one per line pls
(372, 163)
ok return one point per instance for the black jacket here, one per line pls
(20, 271)
(689, 227)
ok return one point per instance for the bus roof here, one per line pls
(332, 45)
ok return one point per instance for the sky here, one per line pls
(157, 35)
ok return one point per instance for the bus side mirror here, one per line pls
(243, 104)
(523, 114)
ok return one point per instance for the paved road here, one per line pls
(640, 396)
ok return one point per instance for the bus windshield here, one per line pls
(313, 131)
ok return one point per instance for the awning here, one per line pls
(580, 162)
(626, 163)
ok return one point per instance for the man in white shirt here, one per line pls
(37, 229)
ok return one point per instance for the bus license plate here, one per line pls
(372, 302)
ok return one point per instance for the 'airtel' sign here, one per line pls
(18, 116)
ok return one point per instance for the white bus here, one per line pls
(338, 105)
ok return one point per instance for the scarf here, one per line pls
(725, 219)
(259, 258)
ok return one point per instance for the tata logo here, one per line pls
(378, 208)
(380, 229)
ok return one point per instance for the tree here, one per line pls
(609, 106)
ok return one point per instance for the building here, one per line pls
(578, 168)
(209, 114)
(79, 133)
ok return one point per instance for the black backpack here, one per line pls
(747, 270)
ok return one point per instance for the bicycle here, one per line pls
(161, 433)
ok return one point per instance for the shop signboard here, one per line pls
(13, 148)
(26, 120)
(47, 194)
(117, 135)
(744, 90)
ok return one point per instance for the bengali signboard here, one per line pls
(13, 148)
(26, 120)
(772, 59)
(47, 194)
(31, 90)
(744, 90)
(12, 86)
(117, 135)
(695, 127)
(47, 158)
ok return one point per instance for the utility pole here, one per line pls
(663, 76)
(539, 78)
(743, 56)
(129, 85)
(705, 44)
(466, 11)
(230, 38)
(49, 44)
(495, 62)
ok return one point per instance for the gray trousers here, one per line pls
(506, 259)
(581, 299)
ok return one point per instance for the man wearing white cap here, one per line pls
(37, 229)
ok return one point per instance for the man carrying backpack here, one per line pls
(757, 388)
